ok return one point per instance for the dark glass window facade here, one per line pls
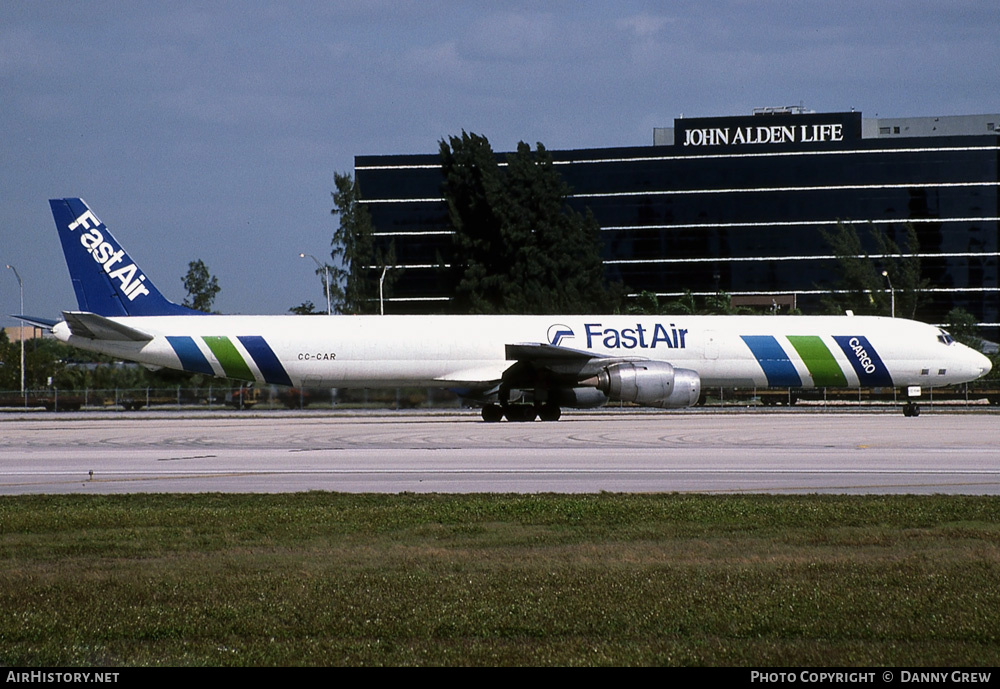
(745, 216)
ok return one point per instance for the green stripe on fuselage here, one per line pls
(231, 360)
(816, 356)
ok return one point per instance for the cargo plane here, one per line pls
(517, 367)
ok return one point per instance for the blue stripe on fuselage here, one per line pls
(266, 360)
(865, 360)
(777, 366)
(191, 357)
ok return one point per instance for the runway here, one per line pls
(455, 452)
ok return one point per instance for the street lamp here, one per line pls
(892, 292)
(381, 306)
(326, 270)
(21, 287)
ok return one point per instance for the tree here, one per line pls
(719, 303)
(358, 260)
(863, 287)
(645, 302)
(963, 327)
(555, 265)
(518, 246)
(45, 358)
(472, 189)
(201, 287)
(306, 308)
(10, 363)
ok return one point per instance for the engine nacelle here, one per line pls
(650, 384)
(578, 397)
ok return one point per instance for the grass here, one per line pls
(336, 579)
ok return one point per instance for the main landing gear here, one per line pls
(521, 412)
(911, 409)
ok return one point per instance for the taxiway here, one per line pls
(391, 452)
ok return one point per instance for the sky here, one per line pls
(212, 130)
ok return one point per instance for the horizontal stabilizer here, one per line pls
(36, 321)
(94, 327)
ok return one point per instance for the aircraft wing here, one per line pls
(476, 376)
(94, 327)
(531, 358)
(560, 361)
(538, 351)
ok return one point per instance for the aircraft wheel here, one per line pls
(492, 413)
(549, 412)
(911, 409)
(520, 412)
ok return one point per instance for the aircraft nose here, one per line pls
(972, 363)
(985, 364)
(978, 363)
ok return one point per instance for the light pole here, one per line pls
(892, 292)
(381, 306)
(20, 286)
(326, 270)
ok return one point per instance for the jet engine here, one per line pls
(578, 397)
(650, 384)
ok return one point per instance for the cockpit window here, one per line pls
(944, 337)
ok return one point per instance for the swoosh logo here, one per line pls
(558, 333)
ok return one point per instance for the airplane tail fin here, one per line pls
(105, 278)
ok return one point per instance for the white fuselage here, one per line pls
(457, 351)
